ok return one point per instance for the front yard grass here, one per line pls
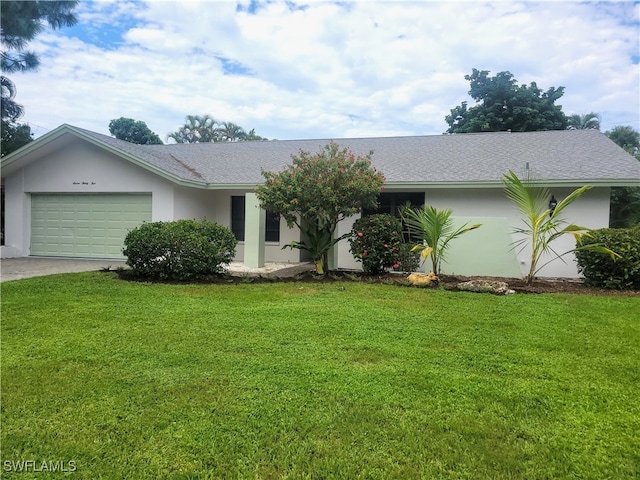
(295, 380)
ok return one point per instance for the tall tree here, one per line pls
(588, 121)
(22, 21)
(317, 191)
(133, 131)
(625, 201)
(205, 128)
(505, 105)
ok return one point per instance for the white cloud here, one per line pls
(327, 70)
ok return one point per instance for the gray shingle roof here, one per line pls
(562, 156)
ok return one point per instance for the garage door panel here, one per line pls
(85, 225)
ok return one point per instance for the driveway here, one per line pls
(26, 267)
(16, 268)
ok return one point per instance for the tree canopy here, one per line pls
(14, 136)
(134, 131)
(22, 21)
(316, 191)
(504, 105)
(205, 128)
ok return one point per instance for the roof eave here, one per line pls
(65, 128)
(576, 183)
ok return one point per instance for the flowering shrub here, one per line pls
(376, 241)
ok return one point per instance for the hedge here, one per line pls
(600, 270)
(179, 250)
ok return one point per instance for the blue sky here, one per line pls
(326, 69)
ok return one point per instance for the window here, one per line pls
(272, 221)
(390, 202)
(237, 217)
(272, 227)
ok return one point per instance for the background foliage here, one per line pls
(205, 128)
(625, 201)
(134, 131)
(505, 105)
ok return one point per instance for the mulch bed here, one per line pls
(448, 282)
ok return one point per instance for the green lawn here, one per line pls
(343, 380)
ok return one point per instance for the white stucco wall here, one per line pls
(591, 210)
(491, 207)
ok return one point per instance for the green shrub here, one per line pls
(600, 270)
(179, 250)
(376, 241)
(409, 261)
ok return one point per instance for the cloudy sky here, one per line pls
(312, 69)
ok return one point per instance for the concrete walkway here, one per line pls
(26, 267)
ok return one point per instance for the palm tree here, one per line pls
(542, 221)
(589, 121)
(230, 132)
(205, 128)
(252, 136)
(197, 129)
(435, 229)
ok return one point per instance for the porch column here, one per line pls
(254, 225)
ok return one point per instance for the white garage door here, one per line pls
(85, 225)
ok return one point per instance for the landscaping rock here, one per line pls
(486, 286)
(423, 279)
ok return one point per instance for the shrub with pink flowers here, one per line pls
(376, 241)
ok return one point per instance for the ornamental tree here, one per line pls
(316, 191)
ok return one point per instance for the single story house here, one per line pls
(75, 193)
